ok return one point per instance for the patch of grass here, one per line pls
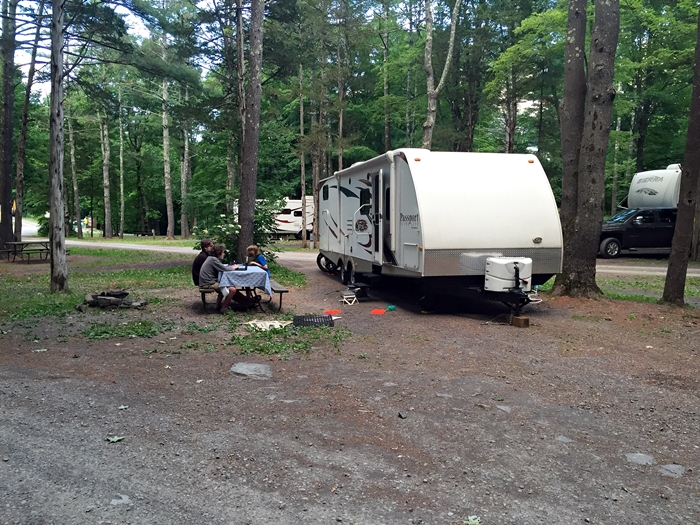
(113, 256)
(291, 339)
(143, 328)
(285, 276)
(194, 328)
(637, 298)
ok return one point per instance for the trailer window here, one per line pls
(365, 202)
(297, 213)
(286, 211)
(325, 193)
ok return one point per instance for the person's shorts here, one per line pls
(221, 289)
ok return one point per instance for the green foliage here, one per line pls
(143, 328)
(291, 339)
(224, 229)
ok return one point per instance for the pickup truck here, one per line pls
(640, 230)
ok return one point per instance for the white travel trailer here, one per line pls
(458, 222)
(289, 220)
(656, 188)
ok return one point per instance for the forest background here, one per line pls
(154, 89)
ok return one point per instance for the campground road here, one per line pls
(617, 267)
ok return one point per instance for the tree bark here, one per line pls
(674, 287)
(57, 239)
(249, 173)
(580, 279)
(7, 50)
(432, 91)
(22, 143)
(185, 175)
(121, 166)
(74, 176)
(106, 152)
(230, 172)
(387, 114)
(302, 159)
(613, 190)
(240, 69)
(170, 232)
(571, 116)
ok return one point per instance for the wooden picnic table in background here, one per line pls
(26, 249)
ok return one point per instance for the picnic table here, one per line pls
(26, 249)
(249, 279)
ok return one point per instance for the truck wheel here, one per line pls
(610, 248)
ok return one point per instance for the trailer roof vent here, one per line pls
(673, 167)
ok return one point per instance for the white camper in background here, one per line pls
(457, 222)
(289, 220)
(657, 188)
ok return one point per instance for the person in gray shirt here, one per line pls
(209, 278)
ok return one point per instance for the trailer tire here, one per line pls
(351, 274)
(610, 248)
(344, 276)
(324, 264)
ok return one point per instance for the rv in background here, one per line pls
(458, 223)
(655, 189)
(289, 220)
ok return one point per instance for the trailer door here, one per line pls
(377, 219)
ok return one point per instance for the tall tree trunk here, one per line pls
(141, 194)
(106, 187)
(510, 113)
(7, 50)
(571, 115)
(185, 175)
(674, 288)
(22, 144)
(170, 232)
(434, 92)
(249, 173)
(240, 68)
(121, 166)
(230, 172)
(594, 143)
(74, 175)
(613, 191)
(57, 237)
(302, 159)
(387, 115)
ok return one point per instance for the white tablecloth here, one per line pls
(253, 277)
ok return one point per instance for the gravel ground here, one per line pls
(415, 418)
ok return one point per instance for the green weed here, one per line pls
(131, 329)
(291, 339)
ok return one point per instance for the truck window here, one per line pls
(645, 217)
(667, 216)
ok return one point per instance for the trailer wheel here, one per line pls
(325, 264)
(610, 248)
(347, 273)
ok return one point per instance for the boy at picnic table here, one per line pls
(255, 258)
(209, 278)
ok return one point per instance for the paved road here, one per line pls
(607, 268)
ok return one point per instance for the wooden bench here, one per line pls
(43, 253)
(277, 288)
(204, 292)
(6, 252)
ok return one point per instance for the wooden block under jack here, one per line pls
(520, 321)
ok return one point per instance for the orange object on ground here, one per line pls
(332, 312)
(377, 312)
